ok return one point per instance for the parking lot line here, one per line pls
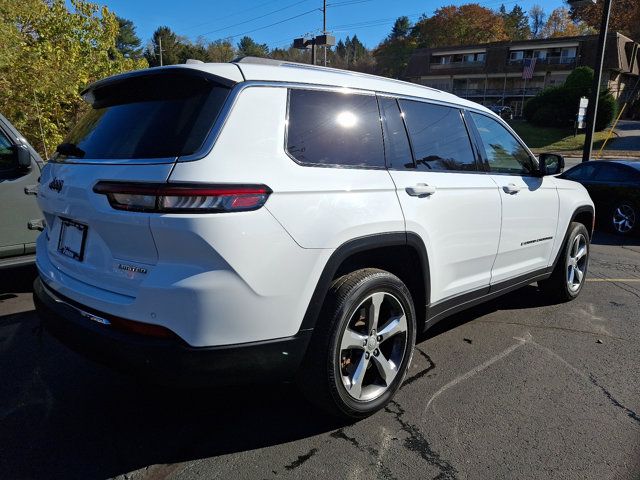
(613, 279)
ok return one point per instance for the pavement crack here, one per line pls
(416, 442)
(384, 472)
(551, 327)
(630, 413)
(301, 459)
(423, 372)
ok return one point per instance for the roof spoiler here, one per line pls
(88, 96)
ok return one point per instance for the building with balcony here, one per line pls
(492, 73)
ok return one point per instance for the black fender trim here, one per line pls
(578, 211)
(357, 245)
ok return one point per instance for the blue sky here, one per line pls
(371, 20)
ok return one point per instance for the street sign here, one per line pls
(582, 112)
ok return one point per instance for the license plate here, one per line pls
(72, 239)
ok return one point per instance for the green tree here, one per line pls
(171, 47)
(401, 28)
(516, 23)
(48, 54)
(127, 42)
(249, 48)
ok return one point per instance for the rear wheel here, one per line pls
(623, 218)
(569, 275)
(362, 345)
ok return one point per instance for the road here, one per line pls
(518, 388)
(628, 139)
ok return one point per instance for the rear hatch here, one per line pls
(139, 124)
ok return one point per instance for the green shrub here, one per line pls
(557, 106)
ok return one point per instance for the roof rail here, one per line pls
(257, 60)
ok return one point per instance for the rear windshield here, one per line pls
(155, 116)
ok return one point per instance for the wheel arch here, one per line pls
(397, 252)
(584, 214)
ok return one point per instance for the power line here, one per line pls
(254, 18)
(235, 14)
(275, 23)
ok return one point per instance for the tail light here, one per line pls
(183, 198)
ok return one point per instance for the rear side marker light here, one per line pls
(183, 198)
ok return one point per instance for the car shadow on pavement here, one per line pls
(62, 416)
(606, 238)
(17, 280)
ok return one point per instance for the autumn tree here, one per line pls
(625, 16)
(560, 24)
(538, 19)
(49, 52)
(220, 51)
(464, 25)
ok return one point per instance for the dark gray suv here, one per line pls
(20, 216)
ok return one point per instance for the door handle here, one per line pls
(421, 190)
(511, 188)
(31, 189)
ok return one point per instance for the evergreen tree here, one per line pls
(127, 42)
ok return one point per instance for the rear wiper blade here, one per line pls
(70, 149)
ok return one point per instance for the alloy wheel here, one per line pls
(624, 218)
(373, 346)
(577, 262)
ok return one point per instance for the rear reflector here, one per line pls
(183, 198)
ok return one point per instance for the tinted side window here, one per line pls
(612, 173)
(503, 152)
(580, 173)
(7, 157)
(439, 137)
(332, 128)
(396, 143)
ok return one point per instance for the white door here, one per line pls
(445, 200)
(529, 202)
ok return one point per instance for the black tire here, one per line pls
(557, 286)
(324, 368)
(623, 209)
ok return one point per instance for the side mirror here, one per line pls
(551, 163)
(23, 155)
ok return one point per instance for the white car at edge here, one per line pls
(224, 223)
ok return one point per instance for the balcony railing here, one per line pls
(547, 61)
(437, 66)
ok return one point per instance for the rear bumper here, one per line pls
(168, 361)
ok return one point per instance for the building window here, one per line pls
(516, 55)
(540, 54)
(480, 57)
(568, 55)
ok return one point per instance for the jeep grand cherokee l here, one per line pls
(235, 222)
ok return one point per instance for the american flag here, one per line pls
(529, 64)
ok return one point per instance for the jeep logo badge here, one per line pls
(56, 184)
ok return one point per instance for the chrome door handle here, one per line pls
(420, 190)
(511, 188)
(31, 189)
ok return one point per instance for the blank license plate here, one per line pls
(72, 239)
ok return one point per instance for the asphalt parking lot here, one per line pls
(517, 388)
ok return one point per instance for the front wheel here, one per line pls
(569, 274)
(362, 345)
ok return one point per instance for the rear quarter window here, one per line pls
(155, 116)
(334, 129)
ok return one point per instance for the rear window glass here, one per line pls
(333, 128)
(148, 117)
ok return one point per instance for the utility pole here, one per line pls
(592, 107)
(160, 46)
(324, 27)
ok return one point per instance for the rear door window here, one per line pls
(438, 136)
(7, 153)
(155, 116)
(396, 142)
(334, 129)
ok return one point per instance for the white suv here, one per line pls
(216, 223)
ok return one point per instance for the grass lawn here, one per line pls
(554, 139)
